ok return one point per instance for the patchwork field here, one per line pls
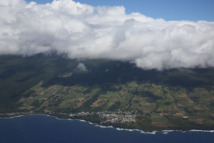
(170, 99)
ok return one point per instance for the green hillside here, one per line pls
(144, 99)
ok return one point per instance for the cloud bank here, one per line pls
(84, 31)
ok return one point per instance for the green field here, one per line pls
(169, 99)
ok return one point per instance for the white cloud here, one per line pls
(84, 31)
(81, 67)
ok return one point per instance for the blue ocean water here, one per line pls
(48, 129)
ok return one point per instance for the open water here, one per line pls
(48, 129)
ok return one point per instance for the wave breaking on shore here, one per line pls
(165, 132)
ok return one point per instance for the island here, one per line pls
(107, 92)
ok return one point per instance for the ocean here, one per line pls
(49, 129)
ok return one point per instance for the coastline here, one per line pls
(152, 132)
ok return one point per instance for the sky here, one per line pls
(151, 35)
(167, 9)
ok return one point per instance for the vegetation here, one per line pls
(170, 99)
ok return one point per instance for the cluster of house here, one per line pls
(110, 117)
(106, 116)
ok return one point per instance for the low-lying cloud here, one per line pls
(84, 31)
(81, 67)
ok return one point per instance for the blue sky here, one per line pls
(167, 9)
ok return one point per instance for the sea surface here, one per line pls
(49, 129)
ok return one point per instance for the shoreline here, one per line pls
(153, 132)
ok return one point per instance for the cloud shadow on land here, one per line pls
(105, 73)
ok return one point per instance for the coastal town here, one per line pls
(105, 116)
(110, 117)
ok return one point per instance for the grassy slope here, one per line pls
(51, 83)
